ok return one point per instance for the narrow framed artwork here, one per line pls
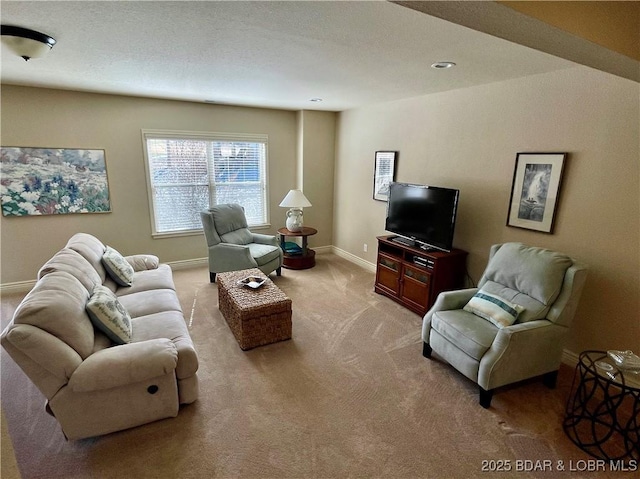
(53, 181)
(535, 191)
(384, 174)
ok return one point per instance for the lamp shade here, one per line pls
(295, 199)
(26, 43)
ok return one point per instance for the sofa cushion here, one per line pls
(171, 325)
(536, 272)
(109, 316)
(118, 268)
(75, 264)
(150, 302)
(149, 280)
(533, 309)
(472, 334)
(493, 308)
(264, 253)
(240, 236)
(56, 304)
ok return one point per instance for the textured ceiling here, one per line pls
(266, 54)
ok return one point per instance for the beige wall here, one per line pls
(468, 139)
(317, 147)
(54, 118)
(613, 25)
(465, 139)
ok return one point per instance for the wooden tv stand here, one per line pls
(414, 277)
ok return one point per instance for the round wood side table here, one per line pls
(307, 258)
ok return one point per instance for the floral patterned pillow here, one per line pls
(117, 267)
(109, 316)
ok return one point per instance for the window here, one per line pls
(188, 172)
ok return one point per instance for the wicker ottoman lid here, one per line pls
(247, 298)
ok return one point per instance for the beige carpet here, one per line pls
(349, 396)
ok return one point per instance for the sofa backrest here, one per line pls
(92, 249)
(229, 224)
(76, 265)
(529, 276)
(57, 304)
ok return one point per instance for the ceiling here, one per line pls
(266, 54)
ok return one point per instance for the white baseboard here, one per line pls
(188, 263)
(323, 249)
(26, 286)
(354, 259)
(17, 287)
(568, 357)
(198, 262)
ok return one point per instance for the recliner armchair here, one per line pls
(538, 288)
(233, 247)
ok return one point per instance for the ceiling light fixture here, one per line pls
(316, 100)
(26, 43)
(442, 65)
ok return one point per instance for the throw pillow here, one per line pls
(108, 315)
(493, 308)
(118, 268)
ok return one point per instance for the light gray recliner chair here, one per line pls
(538, 287)
(232, 247)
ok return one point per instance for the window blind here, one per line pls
(189, 172)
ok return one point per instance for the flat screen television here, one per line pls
(423, 216)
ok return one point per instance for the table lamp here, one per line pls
(295, 201)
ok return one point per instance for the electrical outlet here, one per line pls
(365, 247)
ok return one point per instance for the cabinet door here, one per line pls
(416, 287)
(388, 273)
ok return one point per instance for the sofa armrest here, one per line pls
(143, 262)
(446, 301)
(230, 257)
(47, 360)
(125, 364)
(265, 239)
(521, 351)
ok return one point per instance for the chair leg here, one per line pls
(485, 397)
(550, 379)
(426, 350)
(279, 271)
(212, 277)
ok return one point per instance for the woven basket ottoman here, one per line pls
(256, 316)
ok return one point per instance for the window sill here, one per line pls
(177, 234)
(200, 232)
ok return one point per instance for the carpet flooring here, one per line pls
(349, 396)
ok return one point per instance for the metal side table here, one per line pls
(603, 410)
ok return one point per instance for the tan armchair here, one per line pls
(232, 247)
(536, 288)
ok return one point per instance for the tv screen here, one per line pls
(424, 214)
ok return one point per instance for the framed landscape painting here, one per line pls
(53, 181)
(535, 190)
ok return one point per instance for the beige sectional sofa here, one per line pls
(93, 386)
